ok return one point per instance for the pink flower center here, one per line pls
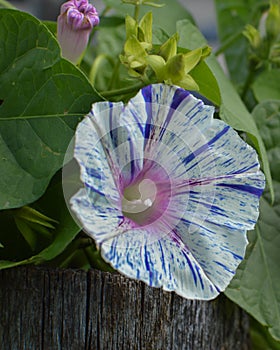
(146, 199)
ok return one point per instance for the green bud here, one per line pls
(273, 19)
(134, 57)
(169, 48)
(178, 67)
(274, 55)
(253, 35)
(206, 51)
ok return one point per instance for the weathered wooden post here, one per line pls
(74, 310)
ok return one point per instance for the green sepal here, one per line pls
(253, 35)
(146, 27)
(157, 63)
(169, 48)
(188, 83)
(206, 51)
(192, 58)
(131, 27)
(175, 67)
(134, 48)
(179, 65)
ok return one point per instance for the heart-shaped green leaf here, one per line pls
(42, 98)
(256, 284)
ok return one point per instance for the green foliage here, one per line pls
(39, 108)
(266, 86)
(43, 97)
(164, 17)
(260, 337)
(232, 109)
(18, 250)
(255, 286)
(232, 17)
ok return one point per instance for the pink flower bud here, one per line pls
(74, 24)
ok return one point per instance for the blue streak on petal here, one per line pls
(206, 146)
(199, 276)
(224, 267)
(179, 96)
(162, 257)
(147, 94)
(190, 266)
(93, 173)
(245, 188)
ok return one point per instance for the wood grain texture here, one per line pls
(49, 309)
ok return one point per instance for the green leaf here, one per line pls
(205, 79)
(232, 109)
(267, 85)
(232, 17)
(27, 232)
(164, 17)
(111, 21)
(260, 337)
(1, 245)
(52, 204)
(267, 117)
(31, 215)
(6, 4)
(207, 83)
(67, 229)
(52, 26)
(42, 98)
(256, 284)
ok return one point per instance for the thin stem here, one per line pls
(136, 12)
(248, 83)
(228, 43)
(115, 74)
(6, 4)
(123, 91)
(105, 11)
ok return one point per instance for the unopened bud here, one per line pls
(273, 20)
(74, 24)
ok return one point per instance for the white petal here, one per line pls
(165, 263)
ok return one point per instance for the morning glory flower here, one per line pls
(169, 192)
(74, 24)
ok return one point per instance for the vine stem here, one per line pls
(136, 12)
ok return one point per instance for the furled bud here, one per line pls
(253, 35)
(74, 24)
(273, 20)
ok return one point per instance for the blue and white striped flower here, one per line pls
(169, 192)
